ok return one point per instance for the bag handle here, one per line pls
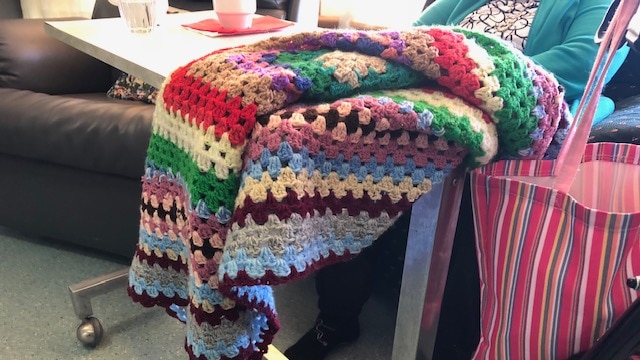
(570, 155)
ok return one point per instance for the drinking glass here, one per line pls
(140, 15)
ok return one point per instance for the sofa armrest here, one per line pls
(30, 59)
(11, 9)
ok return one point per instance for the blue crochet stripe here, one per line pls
(258, 323)
(154, 289)
(318, 247)
(151, 170)
(259, 294)
(213, 296)
(273, 165)
(163, 244)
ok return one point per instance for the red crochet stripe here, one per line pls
(457, 67)
(306, 205)
(208, 107)
(181, 72)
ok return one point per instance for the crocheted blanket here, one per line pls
(272, 160)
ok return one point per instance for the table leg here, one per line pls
(433, 216)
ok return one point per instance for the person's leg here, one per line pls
(342, 289)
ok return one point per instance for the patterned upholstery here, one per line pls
(623, 126)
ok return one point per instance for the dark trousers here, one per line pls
(344, 288)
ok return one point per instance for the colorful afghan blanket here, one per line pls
(270, 161)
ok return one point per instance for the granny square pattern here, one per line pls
(272, 160)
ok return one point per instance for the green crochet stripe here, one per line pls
(325, 86)
(215, 192)
(457, 128)
(516, 119)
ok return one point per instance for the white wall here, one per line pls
(394, 13)
(57, 8)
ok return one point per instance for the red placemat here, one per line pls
(260, 24)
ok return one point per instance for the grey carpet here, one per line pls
(37, 319)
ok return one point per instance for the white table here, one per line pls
(153, 56)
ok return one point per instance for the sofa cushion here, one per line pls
(10, 9)
(273, 4)
(626, 82)
(31, 59)
(192, 5)
(104, 9)
(28, 55)
(86, 131)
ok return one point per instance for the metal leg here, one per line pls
(89, 332)
(433, 216)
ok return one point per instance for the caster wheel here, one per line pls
(89, 332)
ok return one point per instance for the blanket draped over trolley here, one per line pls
(272, 160)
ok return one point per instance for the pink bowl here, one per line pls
(235, 21)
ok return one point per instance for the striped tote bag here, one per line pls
(557, 239)
(553, 265)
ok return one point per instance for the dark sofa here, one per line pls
(623, 126)
(71, 158)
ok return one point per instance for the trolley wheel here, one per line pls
(89, 332)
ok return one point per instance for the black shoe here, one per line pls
(320, 341)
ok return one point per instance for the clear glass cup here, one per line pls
(140, 15)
